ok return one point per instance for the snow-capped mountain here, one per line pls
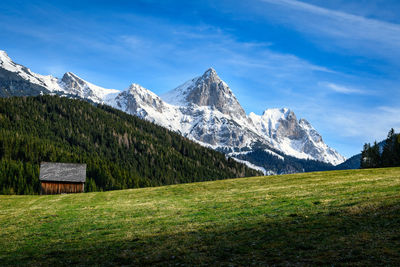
(213, 115)
(16, 80)
(207, 90)
(137, 100)
(203, 109)
(72, 84)
(293, 137)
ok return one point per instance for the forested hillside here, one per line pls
(121, 151)
(289, 165)
(383, 154)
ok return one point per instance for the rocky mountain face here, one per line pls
(293, 137)
(207, 90)
(17, 80)
(203, 109)
(224, 125)
(73, 85)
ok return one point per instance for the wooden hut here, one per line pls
(62, 178)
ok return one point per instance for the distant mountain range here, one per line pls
(203, 109)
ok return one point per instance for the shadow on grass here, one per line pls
(352, 236)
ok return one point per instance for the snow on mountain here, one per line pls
(255, 167)
(178, 96)
(74, 85)
(295, 138)
(207, 90)
(224, 125)
(274, 154)
(70, 83)
(203, 109)
(48, 82)
(137, 100)
(205, 124)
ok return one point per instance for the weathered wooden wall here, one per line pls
(50, 188)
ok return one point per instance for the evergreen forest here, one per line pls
(121, 151)
(383, 154)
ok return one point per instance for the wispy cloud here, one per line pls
(345, 89)
(197, 46)
(191, 47)
(262, 61)
(392, 111)
(360, 34)
(370, 126)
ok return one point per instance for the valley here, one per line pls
(121, 151)
(203, 109)
(199, 133)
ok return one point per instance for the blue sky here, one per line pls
(334, 62)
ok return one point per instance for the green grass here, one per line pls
(323, 218)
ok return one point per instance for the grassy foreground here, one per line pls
(324, 218)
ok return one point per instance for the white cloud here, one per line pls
(345, 89)
(360, 34)
(390, 110)
(369, 125)
(197, 45)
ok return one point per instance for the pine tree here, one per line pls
(375, 156)
(365, 156)
(388, 150)
(370, 156)
(396, 150)
(47, 128)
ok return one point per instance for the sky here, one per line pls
(334, 62)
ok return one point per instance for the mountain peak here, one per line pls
(138, 90)
(206, 90)
(203, 109)
(210, 72)
(135, 88)
(6, 62)
(211, 75)
(135, 85)
(72, 81)
(71, 74)
(211, 69)
(73, 84)
(3, 54)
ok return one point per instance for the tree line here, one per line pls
(288, 165)
(383, 154)
(121, 151)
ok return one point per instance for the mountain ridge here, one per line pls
(120, 150)
(203, 109)
(206, 90)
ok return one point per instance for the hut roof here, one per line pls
(62, 172)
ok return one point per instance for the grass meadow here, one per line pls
(334, 218)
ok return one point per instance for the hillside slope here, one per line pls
(311, 219)
(121, 150)
(203, 109)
